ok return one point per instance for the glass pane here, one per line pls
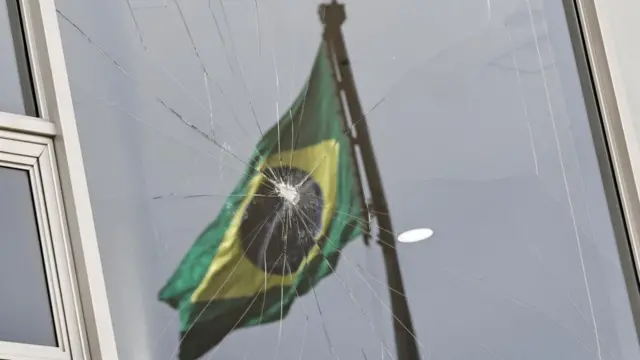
(25, 310)
(16, 90)
(480, 132)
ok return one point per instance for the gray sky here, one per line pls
(482, 136)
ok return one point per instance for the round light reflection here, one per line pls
(415, 235)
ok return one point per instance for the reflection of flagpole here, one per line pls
(332, 16)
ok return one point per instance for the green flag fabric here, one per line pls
(282, 228)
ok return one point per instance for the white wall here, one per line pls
(498, 162)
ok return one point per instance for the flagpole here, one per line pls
(333, 16)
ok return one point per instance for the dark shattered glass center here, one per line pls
(275, 233)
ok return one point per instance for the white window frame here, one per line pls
(36, 156)
(610, 30)
(48, 147)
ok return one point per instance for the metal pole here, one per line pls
(333, 16)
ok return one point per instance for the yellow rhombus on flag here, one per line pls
(282, 228)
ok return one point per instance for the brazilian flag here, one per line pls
(281, 230)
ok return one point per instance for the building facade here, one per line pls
(507, 128)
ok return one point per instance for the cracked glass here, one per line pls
(384, 180)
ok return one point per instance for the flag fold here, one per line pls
(282, 228)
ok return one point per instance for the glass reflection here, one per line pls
(285, 150)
